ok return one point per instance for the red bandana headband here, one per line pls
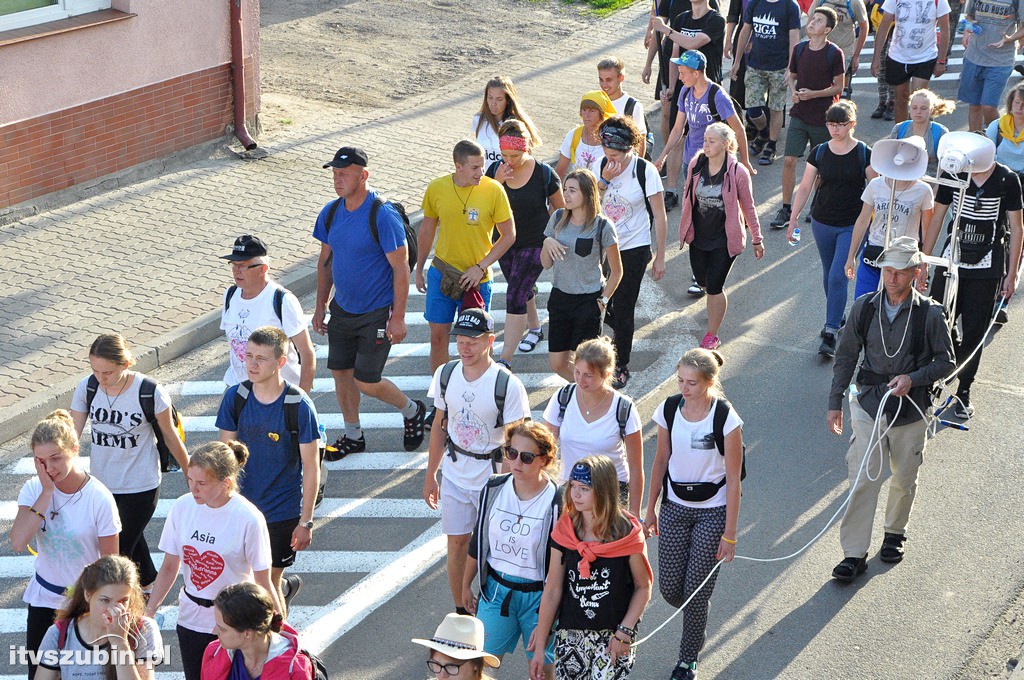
(512, 143)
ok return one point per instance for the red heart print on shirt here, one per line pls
(204, 568)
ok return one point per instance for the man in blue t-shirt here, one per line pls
(282, 485)
(694, 102)
(772, 29)
(371, 287)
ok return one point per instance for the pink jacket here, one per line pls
(283, 663)
(737, 196)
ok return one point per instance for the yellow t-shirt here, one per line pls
(464, 238)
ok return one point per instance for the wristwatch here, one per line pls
(603, 300)
(308, 525)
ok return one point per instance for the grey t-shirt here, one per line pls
(147, 644)
(580, 272)
(996, 18)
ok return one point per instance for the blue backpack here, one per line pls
(904, 129)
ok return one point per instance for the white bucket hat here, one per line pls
(460, 637)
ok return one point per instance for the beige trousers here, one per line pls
(902, 448)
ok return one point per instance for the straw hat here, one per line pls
(460, 637)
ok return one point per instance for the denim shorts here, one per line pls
(502, 633)
(442, 309)
(983, 85)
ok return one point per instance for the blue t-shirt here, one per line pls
(698, 116)
(771, 21)
(363, 280)
(272, 479)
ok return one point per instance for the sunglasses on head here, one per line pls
(524, 456)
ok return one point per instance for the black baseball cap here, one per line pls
(245, 248)
(348, 155)
(473, 323)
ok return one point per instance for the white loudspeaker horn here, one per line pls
(900, 159)
(965, 152)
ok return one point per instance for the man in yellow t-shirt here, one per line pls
(462, 209)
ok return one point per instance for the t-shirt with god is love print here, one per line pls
(217, 547)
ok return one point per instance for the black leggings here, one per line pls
(192, 645)
(974, 301)
(38, 622)
(710, 268)
(623, 302)
(136, 509)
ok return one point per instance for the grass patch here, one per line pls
(605, 7)
(285, 121)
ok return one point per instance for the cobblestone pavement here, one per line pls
(142, 260)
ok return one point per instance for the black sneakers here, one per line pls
(414, 427)
(671, 200)
(879, 111)
(892, 548)
(781, 219)
(827, 349)
(684, 671)
(850, 568)
(290, 586)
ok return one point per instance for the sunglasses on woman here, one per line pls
(524, 456)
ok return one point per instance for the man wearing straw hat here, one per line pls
(906, 348)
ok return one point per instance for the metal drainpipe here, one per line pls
(238, 76)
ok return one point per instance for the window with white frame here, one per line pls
(22, 13)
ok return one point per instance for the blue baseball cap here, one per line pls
(692, 59)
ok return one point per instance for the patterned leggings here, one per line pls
(687, 544)
(885, 92)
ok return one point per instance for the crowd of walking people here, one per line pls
(547, 521)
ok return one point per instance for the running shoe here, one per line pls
(879, 111)
(782, 217)
(710, 341)
(671, 200)
(827, 349)
(290, 585)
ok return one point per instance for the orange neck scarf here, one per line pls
(630, 544)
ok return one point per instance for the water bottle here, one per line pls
(795, 239)
(960, 26)
(323, 440)
(972, 26)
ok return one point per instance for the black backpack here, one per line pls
(317, 664)
(411, 244)
(649, 139)
(640, 172)
(622, 407)
(292, 399)
(278, 300)
(147, 400)
(722, 408)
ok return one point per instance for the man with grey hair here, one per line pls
(906, 349)
(254, 300)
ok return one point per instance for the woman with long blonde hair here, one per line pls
(600, 551)
(69, 514)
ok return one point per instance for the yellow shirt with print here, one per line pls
(464, 238)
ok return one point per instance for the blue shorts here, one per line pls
(983, 85)
(442, 309)
(502, 633)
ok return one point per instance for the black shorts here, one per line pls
(281, 553)
(358, 341)
(897, 73)
(572, 319)
(710, 268)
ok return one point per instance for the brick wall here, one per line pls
(61, 149)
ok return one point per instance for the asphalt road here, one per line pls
(929, 617)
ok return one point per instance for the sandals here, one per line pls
(530, 340)
(849, 569)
